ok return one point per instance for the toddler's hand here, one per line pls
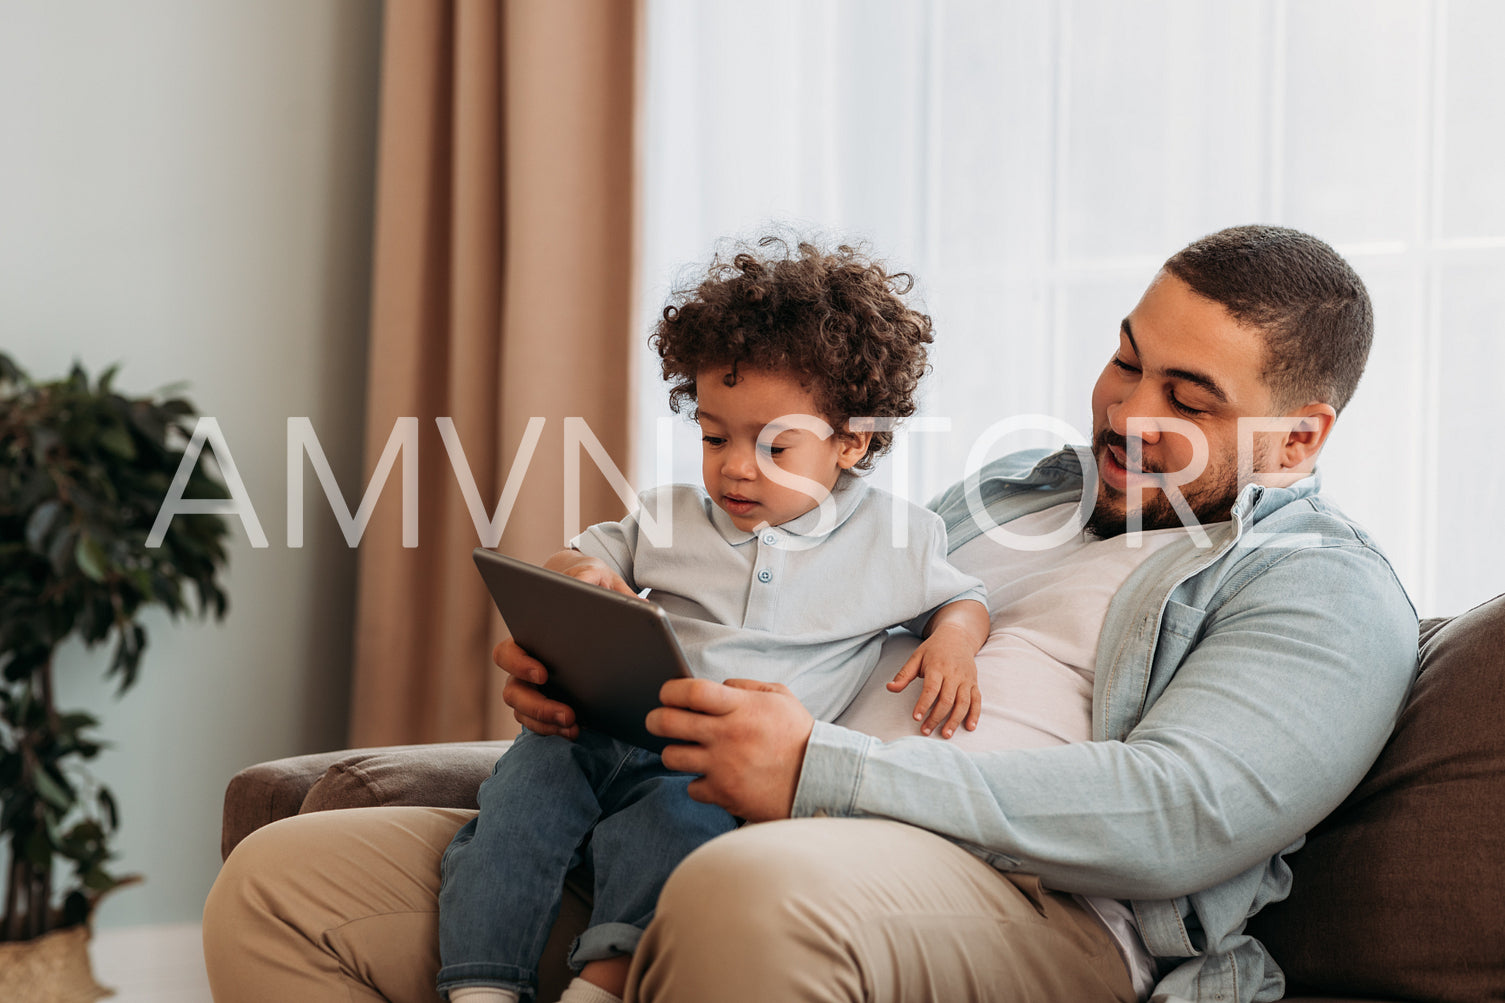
(603, 576)
(945, 660)
(589, 569)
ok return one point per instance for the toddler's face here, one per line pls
(763, 457)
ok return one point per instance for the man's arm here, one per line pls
(1274, 716)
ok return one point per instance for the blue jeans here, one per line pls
(550, 805)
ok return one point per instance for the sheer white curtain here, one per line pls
(1034, 162)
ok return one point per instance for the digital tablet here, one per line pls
(607, 654)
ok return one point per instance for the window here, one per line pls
(1034, 163)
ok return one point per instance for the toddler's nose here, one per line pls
(740, 464)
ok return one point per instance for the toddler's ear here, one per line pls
(853, 448)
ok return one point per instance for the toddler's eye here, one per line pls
(713, 440)
(773, 450)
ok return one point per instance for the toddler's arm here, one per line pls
(592, 570)
(946, 659)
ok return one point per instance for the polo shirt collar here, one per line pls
(848, 493)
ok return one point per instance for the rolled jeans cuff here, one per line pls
(520, 980)
(605, 941)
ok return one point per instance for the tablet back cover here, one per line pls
(607, 654)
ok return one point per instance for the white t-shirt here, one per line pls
(1036, 669)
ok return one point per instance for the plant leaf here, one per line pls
(63, 544)
(41, 524)
(51, 792)
(78, 721)
(118, 441)
(10, 372)
(91, 558)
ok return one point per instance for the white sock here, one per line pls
(581, 991)
(482, 994)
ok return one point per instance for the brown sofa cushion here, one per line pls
(263, 793)
(1401, 892)
(436, 776)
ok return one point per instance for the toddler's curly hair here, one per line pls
(836, 319)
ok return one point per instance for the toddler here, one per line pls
(782, 568)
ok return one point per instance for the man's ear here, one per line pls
(1299, 449)
(853, 447)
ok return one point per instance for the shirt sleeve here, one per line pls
(941, 584)
(1271, 718)
(616, 543)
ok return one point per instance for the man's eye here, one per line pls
(1190, 412)
(1123, 366)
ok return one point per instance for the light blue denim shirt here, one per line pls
(1241, 691)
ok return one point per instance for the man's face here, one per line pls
(1181, 357)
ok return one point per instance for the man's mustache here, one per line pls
(1133, 449)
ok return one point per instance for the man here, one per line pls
(1245, 670)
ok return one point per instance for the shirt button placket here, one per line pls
(769, 539)
(760, 605)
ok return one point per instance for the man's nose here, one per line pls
(1146, 428)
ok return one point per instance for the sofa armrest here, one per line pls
(445, 775)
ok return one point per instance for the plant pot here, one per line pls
(52, 968)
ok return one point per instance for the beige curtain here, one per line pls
(502, 291)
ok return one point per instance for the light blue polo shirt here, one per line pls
(785, 605)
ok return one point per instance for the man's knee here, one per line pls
(756, 914)
(241, 925)
(726, 886)
(235, 890)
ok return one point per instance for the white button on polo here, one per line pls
(770, 539)
(765, 576)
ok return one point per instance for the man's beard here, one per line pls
(1210, 497)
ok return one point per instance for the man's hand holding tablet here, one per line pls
(596, 656)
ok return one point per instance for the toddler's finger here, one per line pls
(945, 702)
(616, 584)
(906, 675)
(974, 714)
(929, 693)
(961, 711)
(941, 708)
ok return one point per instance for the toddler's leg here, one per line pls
(650, 826)
(504, 872)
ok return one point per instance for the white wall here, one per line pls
(186, 189)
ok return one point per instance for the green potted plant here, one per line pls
(83, 471)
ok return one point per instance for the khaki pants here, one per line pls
(342, 906)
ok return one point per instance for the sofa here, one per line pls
(1398, 895)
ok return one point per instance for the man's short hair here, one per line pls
(1308, 302)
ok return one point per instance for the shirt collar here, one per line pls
(848, 493)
